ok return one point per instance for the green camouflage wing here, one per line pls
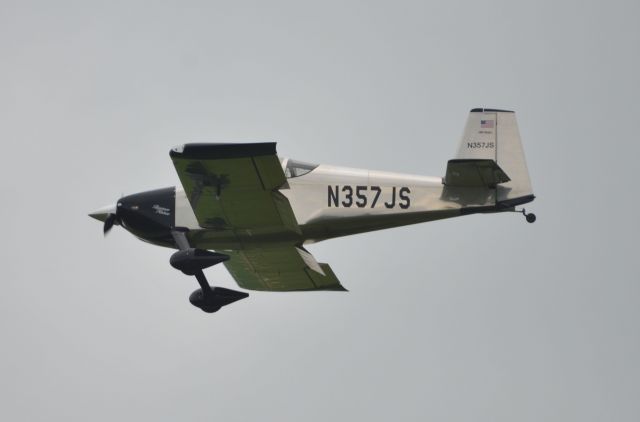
(234, 186)
(280, 268)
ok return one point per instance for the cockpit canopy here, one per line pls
(294, 168)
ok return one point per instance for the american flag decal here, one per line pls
(487, 124)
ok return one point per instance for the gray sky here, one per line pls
(482, 318)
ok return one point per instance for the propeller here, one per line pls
(108, 215)
(109, 222)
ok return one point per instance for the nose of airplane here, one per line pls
(101, 214)
(147, 215)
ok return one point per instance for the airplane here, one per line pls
(246, 207)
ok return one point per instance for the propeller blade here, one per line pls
(108, 223)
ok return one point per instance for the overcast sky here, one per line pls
(481, 318)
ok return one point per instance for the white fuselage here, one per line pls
(332, 201)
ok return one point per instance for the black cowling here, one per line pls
(149, 215)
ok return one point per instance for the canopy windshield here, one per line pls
(296, 168)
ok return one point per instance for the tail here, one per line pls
(490, 155)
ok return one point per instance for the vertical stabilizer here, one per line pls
(493, 135)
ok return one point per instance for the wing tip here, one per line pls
(490, 110)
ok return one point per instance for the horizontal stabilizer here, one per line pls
(474, 173)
